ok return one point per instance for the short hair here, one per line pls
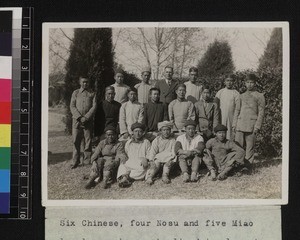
(193, 69)
(109, 88)
(168, 66)
(154, 89)
(206, 87)
(181, 85)
(251, 76)
(119, 71)
(132, 90)
(83, 77)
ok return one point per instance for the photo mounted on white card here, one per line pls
(163, 113)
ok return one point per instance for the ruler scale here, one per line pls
(20, 189)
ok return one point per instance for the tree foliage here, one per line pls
(217, 60)
(91, 56)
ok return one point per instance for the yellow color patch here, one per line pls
(5, 135)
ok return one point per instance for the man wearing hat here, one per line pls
(162, 153)
(106, 158)
(136, 149)
(121, 89)
(167, 86)
(225, 153)
(249, 117)
(130, 112)
(144, 87)
(189, 148)
(82, 107)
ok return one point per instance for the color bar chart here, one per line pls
(5, 108)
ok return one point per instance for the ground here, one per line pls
(64, 183)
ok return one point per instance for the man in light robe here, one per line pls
(121, 89)
(228, 98)
(144, 87)
(193, 89)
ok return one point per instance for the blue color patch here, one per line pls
(4, 203)
(5, 44)
(4, 181)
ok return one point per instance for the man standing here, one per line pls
(121, 89)
(130, 112)
(249, 117)
(167, 86)
(193, 90)
(107, 113)
(208, 113)
(228, 99)
(82, 107)
(180, 109)
(154, 111)
(144, 87)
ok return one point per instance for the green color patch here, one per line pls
(5, 154)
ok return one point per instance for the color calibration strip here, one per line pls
(5, 108)
(20, 114)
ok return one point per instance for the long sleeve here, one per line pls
(170, 111)
(145, 119)
(75, 113)
(148, 147)
(237, 109)
(153, 150)
(120, 152)
(141, 114)
(177, 147)
(216, 119)
(191, 112)
(209, 144)
(261, 111)
(97, 152)
(166, 115)
(92, 110)
(122, 119)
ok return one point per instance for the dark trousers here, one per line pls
(78, 135)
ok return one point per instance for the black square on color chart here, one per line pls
(167, 10)
(5, 33)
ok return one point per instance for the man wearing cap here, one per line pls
(154, 112)
(107, 113)
(228, 99)
(167, 86)
(106, 158)
(208, 113)
(180, 109)
(162, 153)
(136, 149)
(82, 107)
(121, 89)
(193, 89)
(130, 112)
(189, 148)
(225, 153)
(144, 87)
(249, 117)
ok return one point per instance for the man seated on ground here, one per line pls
(208, 113)
(180, 109)
(226, 154)
(130, 112)
(154, 112)
(189, 148)
(136, 149)
(106, 158)
(162, 153)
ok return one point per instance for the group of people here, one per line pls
(151, 128)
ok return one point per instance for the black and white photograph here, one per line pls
(165, 113)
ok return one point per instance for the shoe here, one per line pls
(75, 165)
(149, 181)
(213, 175)
(105, 183)
(222, 177)
(166, 179)
(186, 177)
(124, 182)
(90, 184)
(194, 177)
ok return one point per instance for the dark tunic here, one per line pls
(107, 114)
(153, 114)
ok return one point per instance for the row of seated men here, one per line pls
(241, 114)
(139, 159)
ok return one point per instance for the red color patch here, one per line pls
(5, 112)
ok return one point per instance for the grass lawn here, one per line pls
(64, 183)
